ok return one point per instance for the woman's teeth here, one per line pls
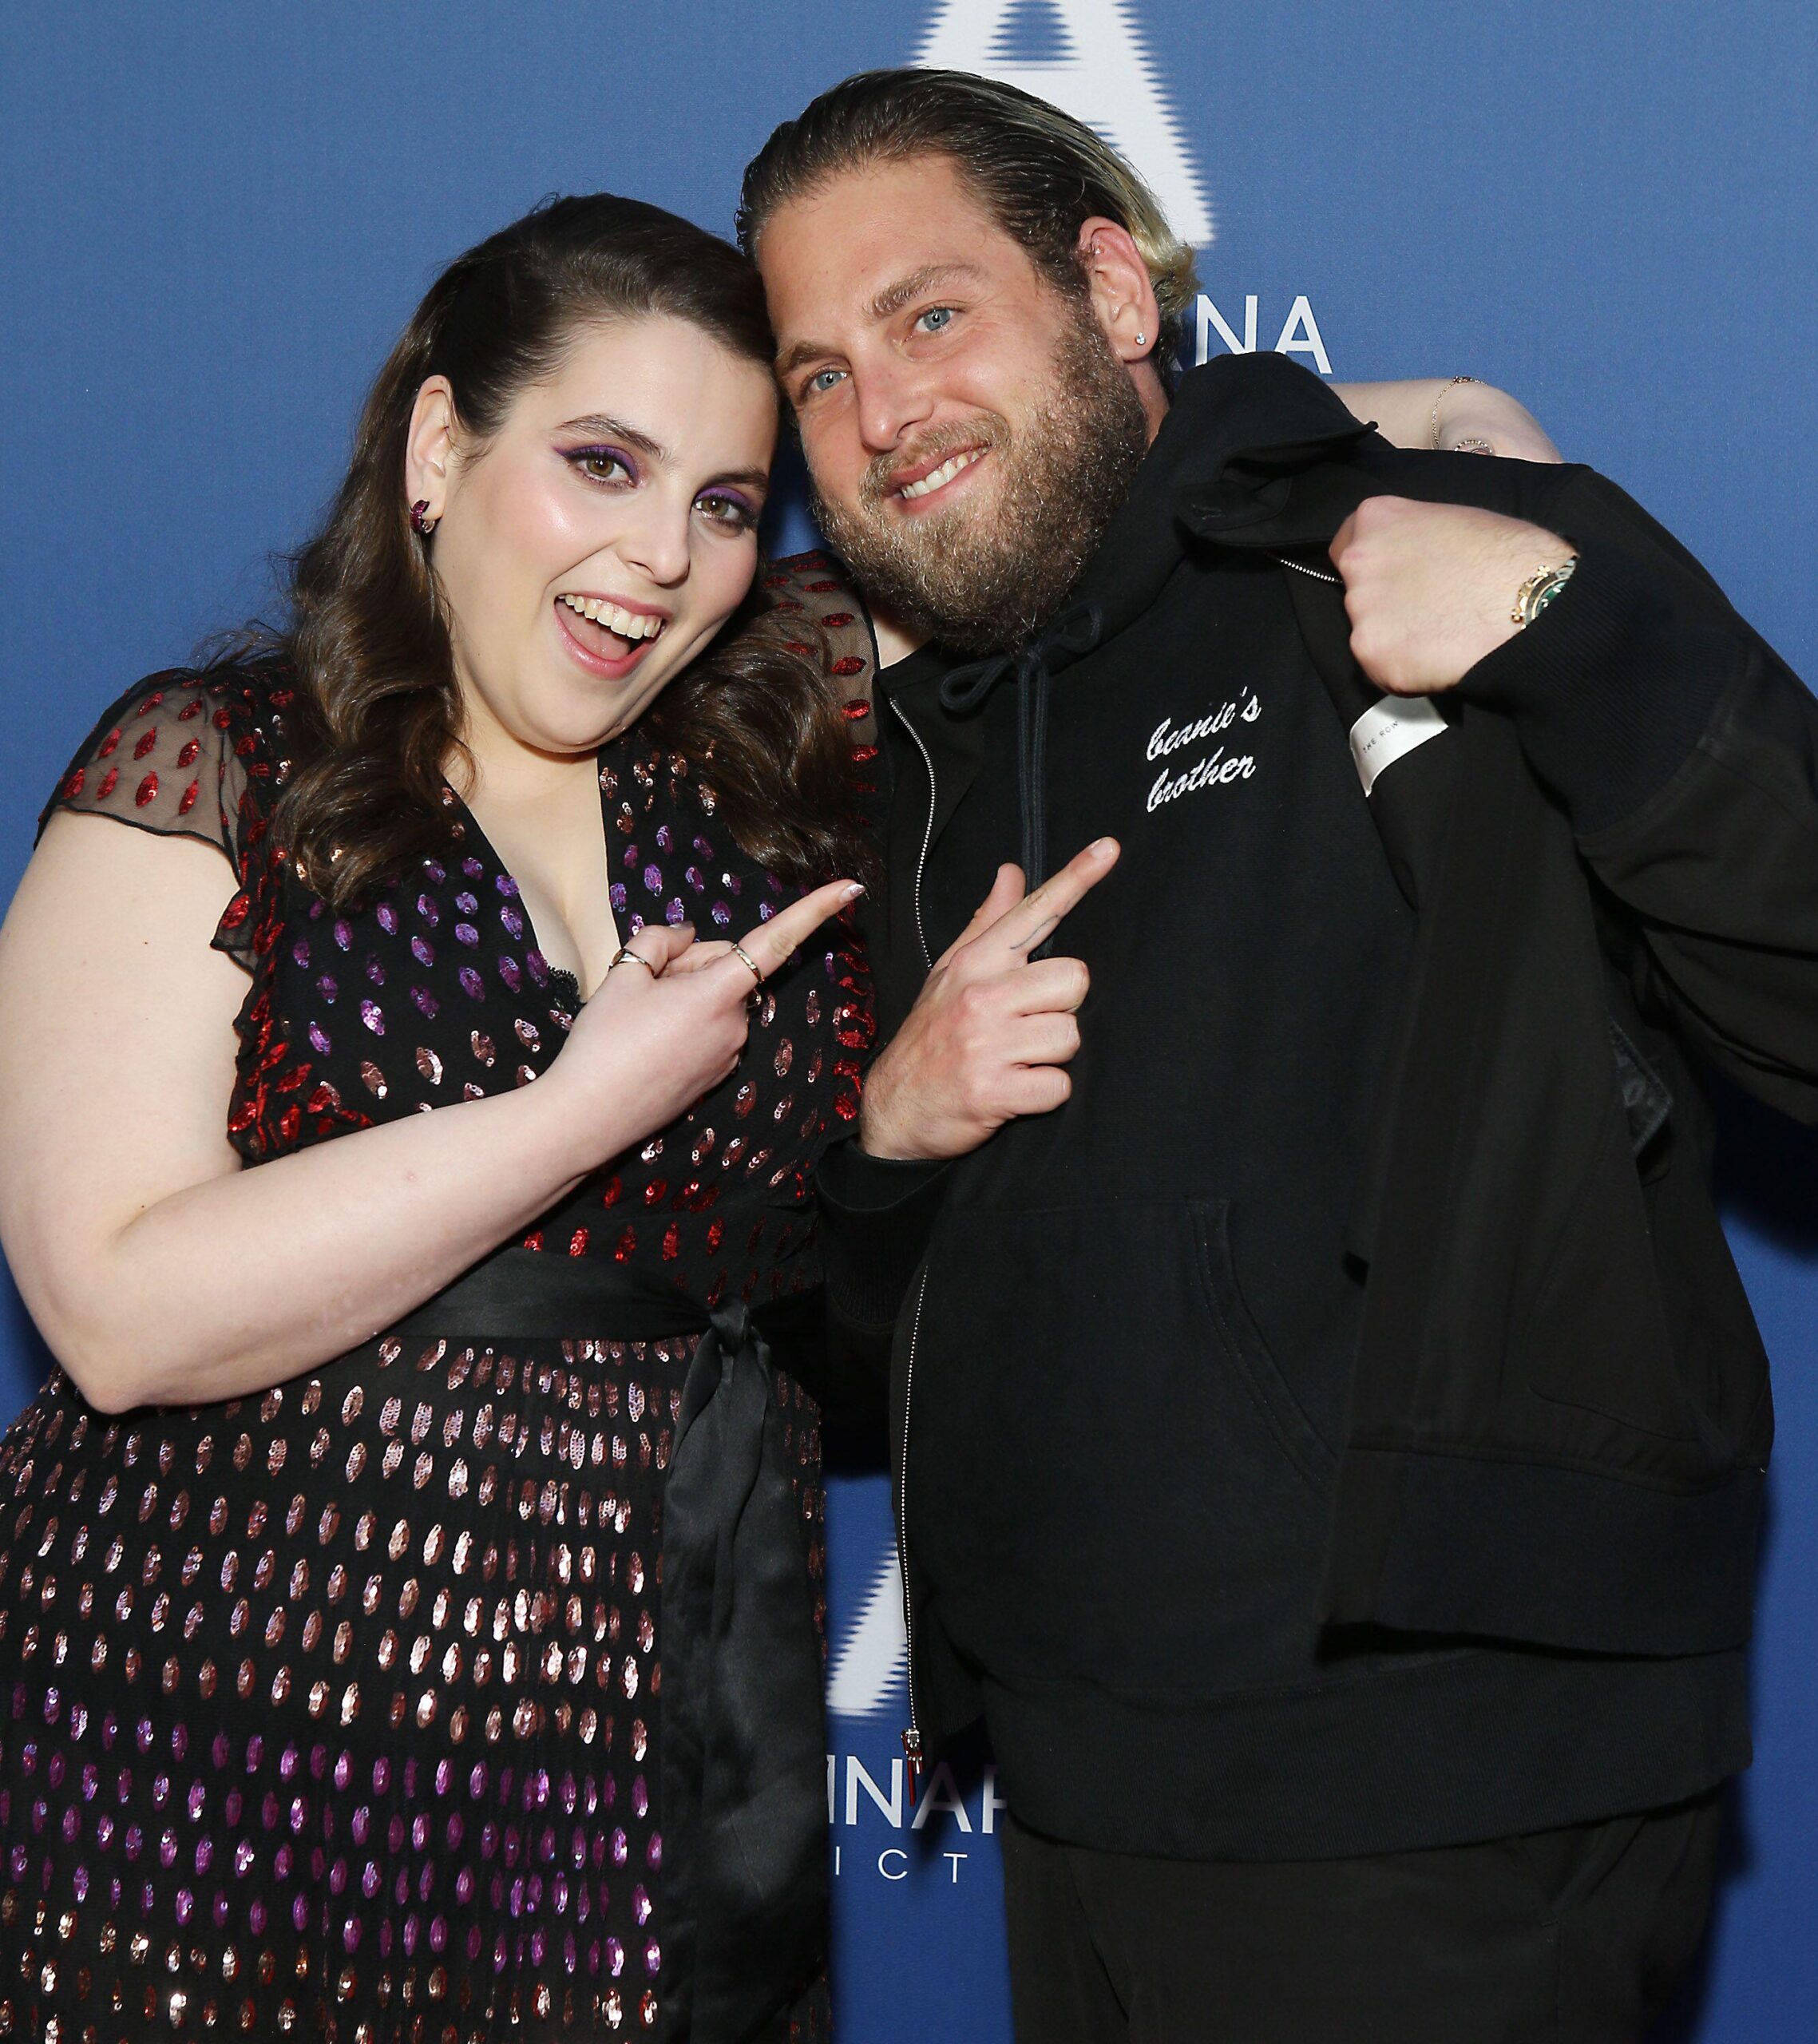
(944, 473)
(632, 624)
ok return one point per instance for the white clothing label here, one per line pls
(1394, 727)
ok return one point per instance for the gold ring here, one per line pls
(625, 952)
(748, 962)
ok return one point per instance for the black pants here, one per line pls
(1565, 1937)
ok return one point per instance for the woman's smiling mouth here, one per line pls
(607, 635)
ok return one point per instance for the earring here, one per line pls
(1141, 339)
(421, 524)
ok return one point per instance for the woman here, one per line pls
(338, 1577)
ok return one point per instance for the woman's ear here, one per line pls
(429, 450)
(1117, 278)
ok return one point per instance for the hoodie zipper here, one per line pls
(912, 1735)
(913, 1749)
(928, 831)
(1300, 568)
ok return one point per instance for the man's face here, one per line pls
(968, 427)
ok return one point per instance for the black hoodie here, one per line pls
(1143, 1518)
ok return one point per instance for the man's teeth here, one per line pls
(944, 473)
(627, 624)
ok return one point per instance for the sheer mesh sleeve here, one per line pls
(181, 754)
(814, 586)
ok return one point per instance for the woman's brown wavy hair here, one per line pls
(378, 713)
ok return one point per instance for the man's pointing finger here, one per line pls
(1034, 919)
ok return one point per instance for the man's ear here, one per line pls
(429, 450)
(1117, 278)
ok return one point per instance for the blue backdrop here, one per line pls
(219, 215)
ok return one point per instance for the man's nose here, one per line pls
(894, 399)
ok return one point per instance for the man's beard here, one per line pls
(981, 579)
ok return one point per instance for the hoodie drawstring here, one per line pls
(1073, 632)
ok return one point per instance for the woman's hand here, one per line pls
(667, 1024)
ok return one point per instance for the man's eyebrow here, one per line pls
(615, 429)
(892, 298)
(791, 359)
(888, 302)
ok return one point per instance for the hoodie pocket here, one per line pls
(1107, 1475)
(1248, 1353)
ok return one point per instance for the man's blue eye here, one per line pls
(936, 318)
(823, 379)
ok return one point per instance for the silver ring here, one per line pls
(625, 952)
(748, 962)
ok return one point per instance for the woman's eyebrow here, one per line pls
(654, 450)
(616, 429)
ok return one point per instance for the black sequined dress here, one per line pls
(336, 1713)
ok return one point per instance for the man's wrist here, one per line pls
(879, 1139)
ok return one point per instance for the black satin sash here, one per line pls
(744, 1877)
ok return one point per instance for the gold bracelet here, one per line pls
(1439, 401)
(1538, 591)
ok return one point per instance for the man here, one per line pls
(1329, 1428)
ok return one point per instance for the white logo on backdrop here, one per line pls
(1095, 64)
(869, 1670)
(1098, 68)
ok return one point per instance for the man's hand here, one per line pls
(1430, 589)
(988, 1034)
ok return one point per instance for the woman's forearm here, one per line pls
(233, 1285)
(1450, 413)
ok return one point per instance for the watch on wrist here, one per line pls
(1539, 590)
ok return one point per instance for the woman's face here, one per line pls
(594, 546)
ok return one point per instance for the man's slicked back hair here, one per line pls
(1038, 171)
